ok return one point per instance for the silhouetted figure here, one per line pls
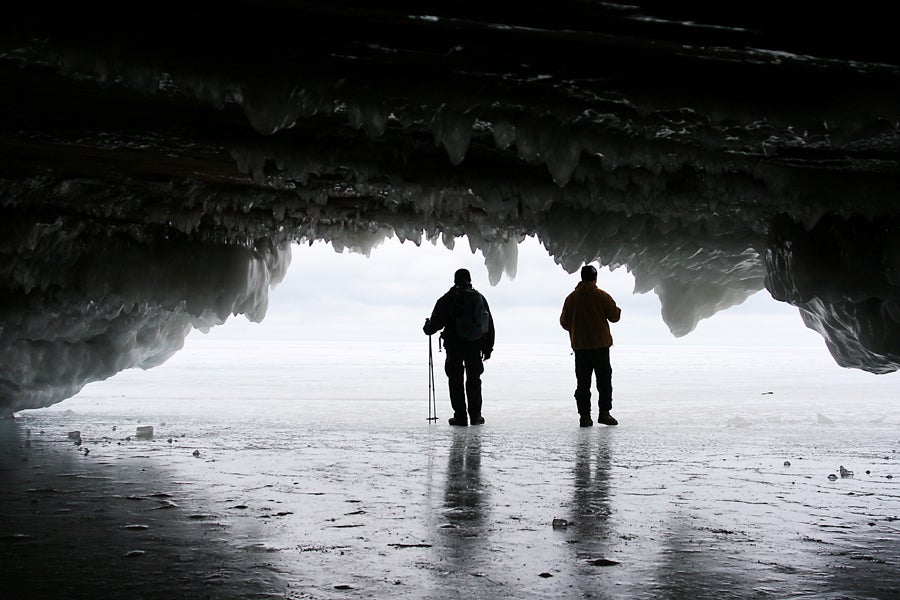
(468, 334)
(586, 315)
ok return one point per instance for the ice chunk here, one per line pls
(603, 562)
(144, 432)
(738, 422)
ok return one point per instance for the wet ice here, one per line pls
(363, 497)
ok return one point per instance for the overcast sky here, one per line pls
(388, 295)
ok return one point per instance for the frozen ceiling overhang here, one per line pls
(156, 165)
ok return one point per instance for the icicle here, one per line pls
(562, 157)
(504, 134)
(454, 131)
(370, 117)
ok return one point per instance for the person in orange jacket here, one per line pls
(586, 315)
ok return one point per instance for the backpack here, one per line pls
(472, 317)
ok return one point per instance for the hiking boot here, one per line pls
(479, 420)
(457, 422)
(606, 418)
(585, 421)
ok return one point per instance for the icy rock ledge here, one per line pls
(94, 308)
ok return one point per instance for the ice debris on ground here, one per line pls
(603, 562)
(738, 422)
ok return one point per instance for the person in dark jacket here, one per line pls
(586, 315)
(467, 344)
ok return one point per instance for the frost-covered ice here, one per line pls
(153, 179)
(123, 308)
(302, 494)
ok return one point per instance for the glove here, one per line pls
(427, 327)
(486, 354)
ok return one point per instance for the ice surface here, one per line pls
(284, 490)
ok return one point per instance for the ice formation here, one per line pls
(152, 183)
(84, 306)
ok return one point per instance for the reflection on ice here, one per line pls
(328, 504)
(116, 523)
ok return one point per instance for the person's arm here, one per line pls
(438, 318)
(565, 317)
(487, 342)
(613, 312)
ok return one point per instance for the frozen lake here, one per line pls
(317, 475)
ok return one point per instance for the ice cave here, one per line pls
(157, 165)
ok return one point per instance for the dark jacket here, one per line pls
(444, 317)
(586, 315)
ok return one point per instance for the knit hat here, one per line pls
(462, 276)
(588, 273)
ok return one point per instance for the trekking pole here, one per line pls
(432, 405)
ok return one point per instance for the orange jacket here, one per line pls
(586, 315)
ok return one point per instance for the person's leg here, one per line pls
(603, 370)
(474, 369)
(453, 367)
(583, 372)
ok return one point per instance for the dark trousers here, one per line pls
(464, 359)
(588, 363)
